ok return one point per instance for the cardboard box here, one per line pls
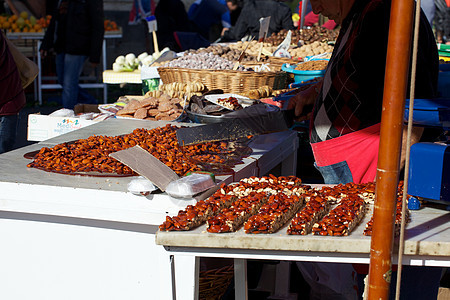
(41, 127)
(85, 108)
(444, 293)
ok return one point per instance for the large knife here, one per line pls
(236, 64)
(244, 125)
(263, 31)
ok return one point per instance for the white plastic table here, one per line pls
(78, 237)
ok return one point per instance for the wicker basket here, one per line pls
(274, 67)
(283, 60)
(227, 80)
(214, 283)
(274, 63)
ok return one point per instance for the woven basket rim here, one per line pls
(213, 282)
(236, 72)
(230, 81)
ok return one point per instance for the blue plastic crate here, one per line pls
(430, 178)
(444, 84)
(430, 112)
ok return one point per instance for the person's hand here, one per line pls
(303, 102)
(43, 53)
(223, 30)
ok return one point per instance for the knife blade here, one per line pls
(236, 128)
(236, 65)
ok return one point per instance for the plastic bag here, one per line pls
(282, 49)
(141, 186)
(190, 185)
(87, 116)
(63, 112)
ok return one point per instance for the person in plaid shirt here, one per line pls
(345, 123)
(345, 120)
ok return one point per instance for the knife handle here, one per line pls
(290, 117)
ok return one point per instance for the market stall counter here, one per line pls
(427, 243)
(82, 237)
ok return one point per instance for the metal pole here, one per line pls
(105, 86)
(395, 84)
(302, 16)
(12, 7)
(39, 77)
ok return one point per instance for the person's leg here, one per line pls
(59, 60)
(85, 97)
(8, 129)
(447, 26)
(439, 19)
(334, 281)
(418, 282)
(331, 280)
(73, 65)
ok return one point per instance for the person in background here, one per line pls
(76, 35)
(209, 17)
(140, 10)
(2, 7)
(51, 6)
(235, 7)
(311, 18)
(12, 97)
(429, 9)
(171, 16)
(248, 21)
(447, 22)
(442, 21)
(345, 123)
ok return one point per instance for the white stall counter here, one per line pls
(80, 237)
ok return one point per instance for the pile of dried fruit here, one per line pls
(398, 213)
(305, 35)
(151, 108)
(263, 205)
(312, 65)
(91, 156)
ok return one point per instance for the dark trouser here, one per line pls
(421, 283)
(8, 129)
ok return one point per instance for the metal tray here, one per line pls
(207, 119)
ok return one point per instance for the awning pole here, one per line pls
(395, 84)
(303, 13)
